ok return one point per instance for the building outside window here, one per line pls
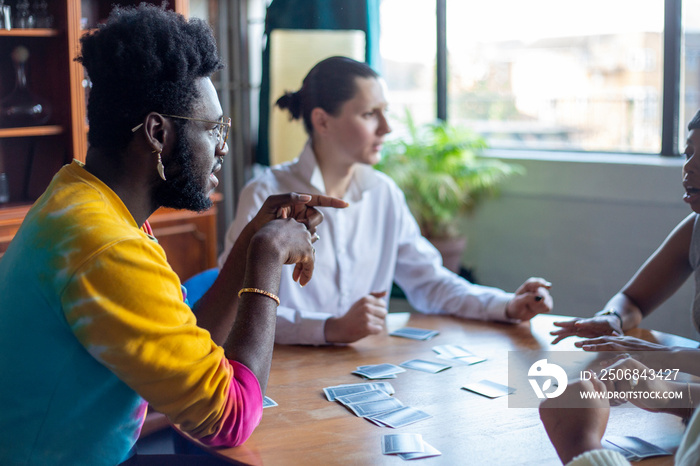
(544, 74)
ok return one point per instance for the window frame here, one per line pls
(670, 125)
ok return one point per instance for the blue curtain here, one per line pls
(361, 15)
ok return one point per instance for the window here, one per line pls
(408, 47)
(547, 74)
(690, 65)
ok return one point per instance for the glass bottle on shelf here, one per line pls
(4, 189)
(24, 19)
(22, 107)
(5, 16)
(43, 18)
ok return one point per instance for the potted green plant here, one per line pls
(439, 168)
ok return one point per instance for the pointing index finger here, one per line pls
(319, 200)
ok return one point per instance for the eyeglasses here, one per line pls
(222, 127)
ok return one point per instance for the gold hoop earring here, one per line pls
(160, 167)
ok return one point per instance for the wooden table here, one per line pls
(467, 428)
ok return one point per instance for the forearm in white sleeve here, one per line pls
(300, 328)
(433, 289)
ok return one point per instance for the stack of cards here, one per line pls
(634, 448)
(398, 417)
(348, 389)
(425, 366)
(408, 446)
(375, 404)
(379, 371)
(457, 353)
(489, 389)
(372, 407)
(414, 333)
(363, 397)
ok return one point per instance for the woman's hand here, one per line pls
(622, 343)
(531, 298)
(575, 424)
(367, 316)
(640, 384)
(588, 328)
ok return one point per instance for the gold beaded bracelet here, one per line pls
(259, 291)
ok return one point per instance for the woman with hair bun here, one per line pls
(373, 242)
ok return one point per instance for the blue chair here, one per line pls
(198, 284)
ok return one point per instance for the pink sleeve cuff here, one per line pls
(242, 411)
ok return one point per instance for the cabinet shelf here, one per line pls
(35, 32)
(11, 211)
(30, 131)
(31, 155)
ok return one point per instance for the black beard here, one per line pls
(182, 190)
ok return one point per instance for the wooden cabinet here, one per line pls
(188, 238)
(31, 155)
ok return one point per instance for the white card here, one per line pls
(350, 388)
(402, 443)
(372, 408)
(428, 451)
(401, 417)
(379, 371)
(489, 389)
(362, 397)
(380, 368)
(374, 377)
(452, 351)
(339, 390)
(384, 386)
(639, 448)
(457, 353)
(268, 402)
(414, 333)
(425, 366)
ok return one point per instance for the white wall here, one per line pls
(586, 226)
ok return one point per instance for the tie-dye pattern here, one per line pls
(94, 324)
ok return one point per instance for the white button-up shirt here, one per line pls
(362, 248)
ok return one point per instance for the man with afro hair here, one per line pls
(95, 323)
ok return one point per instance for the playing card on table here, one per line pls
(371, 395)
(384, 386)
(638, 449)
(375, 376)
(457, 353)
(488, 388)
(402, 443)
(379, 371)
(428, 451)
(268, 402)
(425, 366)
(348, 389)
(400, 417)
(372, 408)
(414, 333)
(628, 456)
